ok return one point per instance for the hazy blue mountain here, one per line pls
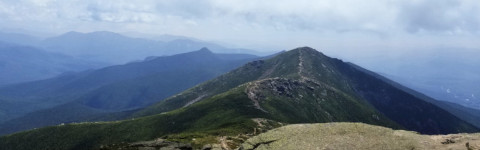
(117, 48)
(26, 63)
(156, 37)
(81, 96)
(102, 45)
(183, 45)
(18, 38)
(190, 42)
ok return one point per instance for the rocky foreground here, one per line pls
(356, 136)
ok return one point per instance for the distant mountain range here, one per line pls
(27, 58)
(116, 48)
(297, 86)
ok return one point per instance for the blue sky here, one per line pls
(334, 25)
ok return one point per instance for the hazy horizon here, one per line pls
(336, 27)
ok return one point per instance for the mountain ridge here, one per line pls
(297, 86)
(331, 72)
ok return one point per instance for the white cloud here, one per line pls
(450, 16)
(278, 23)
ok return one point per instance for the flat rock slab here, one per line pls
(347, 136)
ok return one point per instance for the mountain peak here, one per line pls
(300, 63)
(104, 33)
(200, 54)
(308, 50)
(204, 49)
(305, 48)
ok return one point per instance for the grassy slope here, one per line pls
(249, 72)
(200, 117)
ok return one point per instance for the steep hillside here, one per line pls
(470, 115)
(298, 86)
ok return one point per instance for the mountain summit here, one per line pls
(298, 86)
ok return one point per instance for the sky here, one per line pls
(335, 26)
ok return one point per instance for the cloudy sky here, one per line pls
(330, 25)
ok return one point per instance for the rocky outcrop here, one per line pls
(158, 144)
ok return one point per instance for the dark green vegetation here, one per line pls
(93, 95)
(298, 86)
(216, 120)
